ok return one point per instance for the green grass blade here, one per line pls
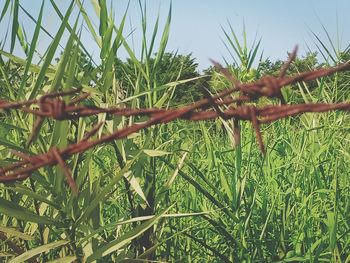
(19, 212)
(104, 192)
(103, 18)
(134, 59)
(236, 46)
(200, 188)
(69, 29)
(32, 48)
(89, 24)
(125, 239)
(56, 83)
(106, 41)
(67, 259)
(252, 54)
(32, 67)
(21, 35)
(13, 146)
(329, 53)
(14, 25)
(108, 73)
(4, 10)
(28, 192)
(153, 38)
(51, 53)
(13, 232)
(335, 50)
(38, 250)
(164, 40)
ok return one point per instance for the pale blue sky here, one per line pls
(196, 24)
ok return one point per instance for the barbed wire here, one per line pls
(53, 106)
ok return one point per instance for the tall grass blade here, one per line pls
(14, 210)
(4, 10)
(51, 53)
(125, 239)
(33, 44)
(15, 24)
(38, 250)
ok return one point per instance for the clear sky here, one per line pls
(196, 24)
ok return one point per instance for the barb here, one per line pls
(4, 105)
(286, 65)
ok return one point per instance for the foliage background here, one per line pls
(180, 192)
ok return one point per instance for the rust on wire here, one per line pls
(53, 106)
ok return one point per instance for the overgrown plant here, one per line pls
(175, 192)
(81, 221)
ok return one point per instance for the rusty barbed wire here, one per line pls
(5, 105)
(53, 106)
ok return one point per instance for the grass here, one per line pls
(180, 192)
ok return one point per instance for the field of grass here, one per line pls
(180, 192)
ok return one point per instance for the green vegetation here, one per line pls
(181, 192)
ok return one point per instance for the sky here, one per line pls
(197, 25)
